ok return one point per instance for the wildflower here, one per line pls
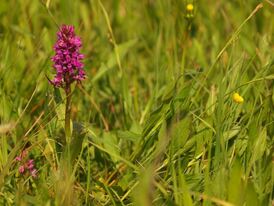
(30, 164)
(27, 166)
(67, 58)
(189, 10)
(237, 98)
(189, 7)
(21, 169)
(18, 158)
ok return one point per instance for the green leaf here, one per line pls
(259, 147)
(235, 184)
(169, 91)
(122, 50)
(111, 145)
(252, 198)
(101, 72)
(112, 61)
(128, 135)
(78, 137)
(180, 133)
(60, 104)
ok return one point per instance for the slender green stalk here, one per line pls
(68, 114)
(67, 128)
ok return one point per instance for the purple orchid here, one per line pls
(67, 59)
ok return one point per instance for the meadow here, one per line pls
(176, 108)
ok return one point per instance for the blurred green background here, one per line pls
(161, 127)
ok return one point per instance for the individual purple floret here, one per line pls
(33, 173)
(21, 169)
(18, 158)
(30, 164)
(67, 58)
(21, 156)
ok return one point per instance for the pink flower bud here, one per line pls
(21, 169)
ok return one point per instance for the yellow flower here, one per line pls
(237, 98)
(189, 7)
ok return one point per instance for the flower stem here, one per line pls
(67, 114)
(68, 129)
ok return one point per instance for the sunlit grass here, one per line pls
(176, 108)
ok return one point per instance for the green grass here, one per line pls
(154, 122)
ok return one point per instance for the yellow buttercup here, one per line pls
(189, 7)
(238, 98)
